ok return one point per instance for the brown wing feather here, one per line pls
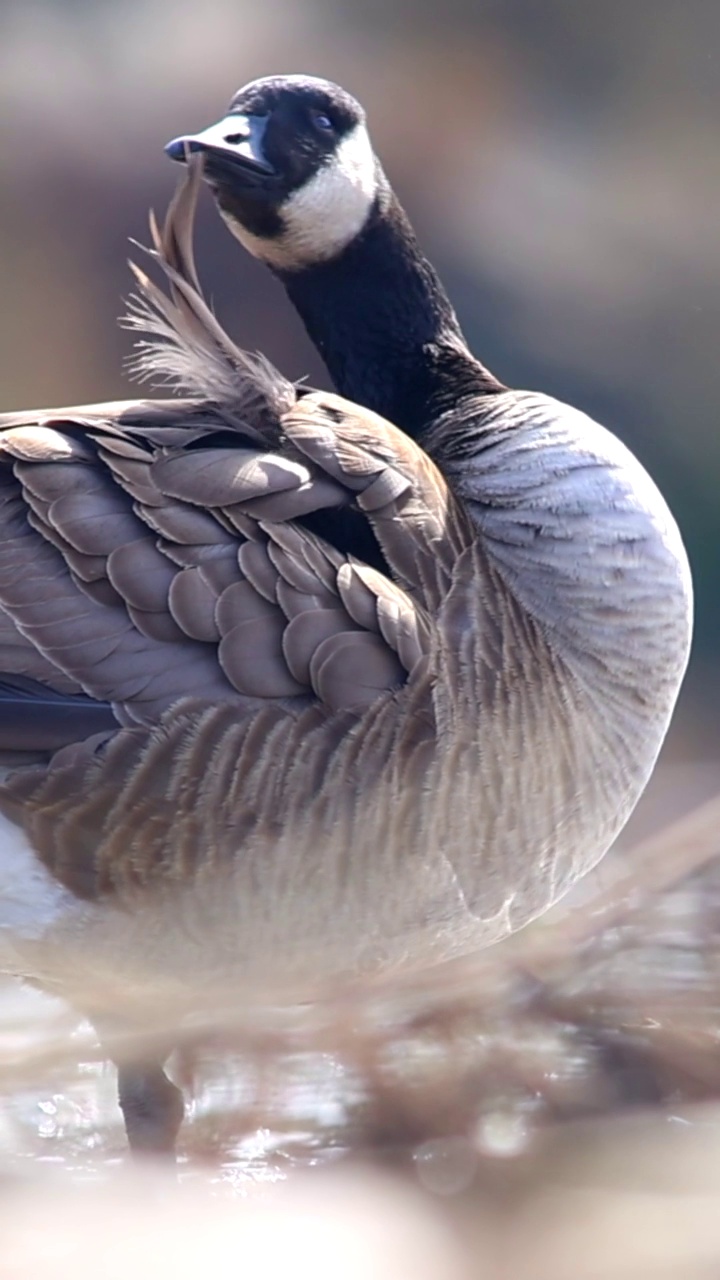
(152, 562)
(421, 527)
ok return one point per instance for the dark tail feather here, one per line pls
(34, 718)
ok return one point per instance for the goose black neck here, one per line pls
(380, 318)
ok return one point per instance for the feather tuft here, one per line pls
(183, 346)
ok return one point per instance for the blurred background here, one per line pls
(559, 161)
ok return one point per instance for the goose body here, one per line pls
(295, 688)
(577, 543)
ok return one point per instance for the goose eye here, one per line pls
(322, 122)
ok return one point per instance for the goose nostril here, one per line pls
(234, 138)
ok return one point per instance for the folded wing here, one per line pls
(155, 550)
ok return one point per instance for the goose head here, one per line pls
(292, 169)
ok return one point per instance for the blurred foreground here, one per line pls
(550, 1108)
(618, 1204)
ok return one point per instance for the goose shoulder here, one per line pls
(579, 530)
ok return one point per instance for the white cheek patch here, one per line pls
(325, 214)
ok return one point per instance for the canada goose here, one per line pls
(305, 762)
(573, 527)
